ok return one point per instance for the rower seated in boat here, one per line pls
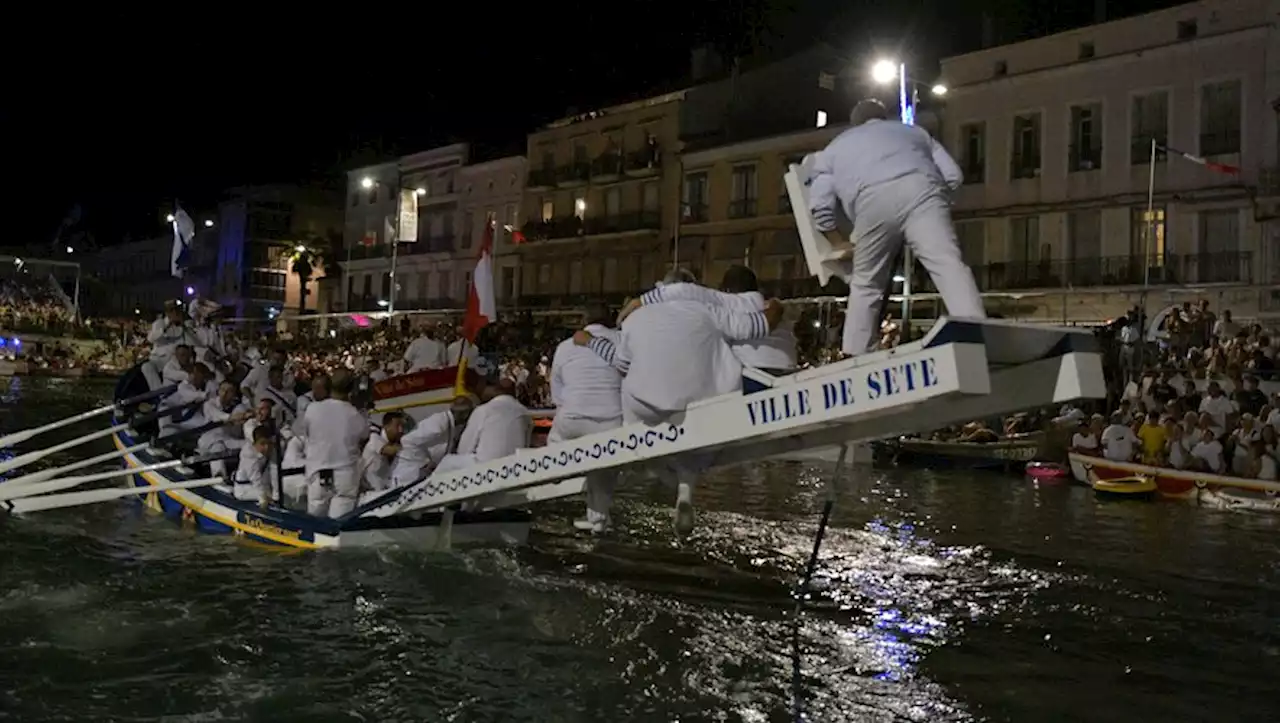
(427, 444)
(380, 452)
(226, 410)
(255, 477)
(189, 397)
(259, 377)
(178, 368)
(279, 390)
(262, 414)
(167, 332)
(424, 352)
(497, 428)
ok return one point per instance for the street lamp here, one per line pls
(366, 183)
(420, 191)
(170, 218)
(208, 223)
(938, 89)
(69, 249)
(884, 72)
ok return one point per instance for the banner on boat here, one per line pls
(425, 380)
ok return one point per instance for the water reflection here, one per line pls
(938, 598)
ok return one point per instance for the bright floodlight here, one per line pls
(208, 223)
(366, 183)
(939, 89)
(420, 191)
(169, 218)
(191, 291)
(69, 249)
(884, 72)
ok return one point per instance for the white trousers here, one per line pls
(335, 499)
(684, 470)
(600, 485)
(152, 370)
(295, 491)
(915, 208)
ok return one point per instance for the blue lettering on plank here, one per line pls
(899, 378)
(788, 405)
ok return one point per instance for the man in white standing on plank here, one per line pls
(587, 393)
(673, 354)
(893, 181)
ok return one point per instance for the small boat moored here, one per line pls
(1137, 487)
(1047, 473)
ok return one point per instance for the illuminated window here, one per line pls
(580, 207)
(548, 209)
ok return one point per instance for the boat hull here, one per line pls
(1012, 453)
(212, 511)
(1180, 484)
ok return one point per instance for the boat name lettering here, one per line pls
(258, 524)
(879, 383)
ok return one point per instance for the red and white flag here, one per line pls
(1219, 167)
(482, 308)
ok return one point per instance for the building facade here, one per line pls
(256, 235)
(378, 207)
(1055, 138)
(492, 193)
(595, 225)
(735, 210)
(134, 278)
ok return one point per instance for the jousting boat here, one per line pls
(960, 370)
(1207, 488)
(423, 393)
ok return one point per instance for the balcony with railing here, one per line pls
(573, 174)
(646, 161)
(1229, 267)
(607, 166)
(695, 213)
(572, 226)
(541, 178)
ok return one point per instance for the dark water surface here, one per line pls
(946, 598)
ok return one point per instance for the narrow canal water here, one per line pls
(946, 597)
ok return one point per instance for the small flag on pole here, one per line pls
(184, 231)
(1201, 160)
(482, 308)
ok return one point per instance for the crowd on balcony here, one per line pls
(1196, 395)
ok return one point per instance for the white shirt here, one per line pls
(377, 468)
(1225, 329)
(286, 403)
(423, 448)
(255, 477)
(185, 394)
(775, 351)
(1178, 453)
(677, 352)
(1218, 408)
(454, 353)
(304, 401)
(1085, 440)
(874, 153)
(1118, 443)
(1211, 453)
(335, 431)
(1268, 467)
(172, 373)
(583, 384)
(425, 353)
(165, 336)
(258, 379)
(496, 429)
(1128, 334)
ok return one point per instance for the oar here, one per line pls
(26, 459)
(88, 497)
(45, 474)
(19, 437)
(14, 492)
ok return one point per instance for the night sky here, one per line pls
(121, 115)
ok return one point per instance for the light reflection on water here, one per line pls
(938, 598)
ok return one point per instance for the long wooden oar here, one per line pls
(45, 474)
(89, 497)
(25, 459)
(19, 437)
(14, 492)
